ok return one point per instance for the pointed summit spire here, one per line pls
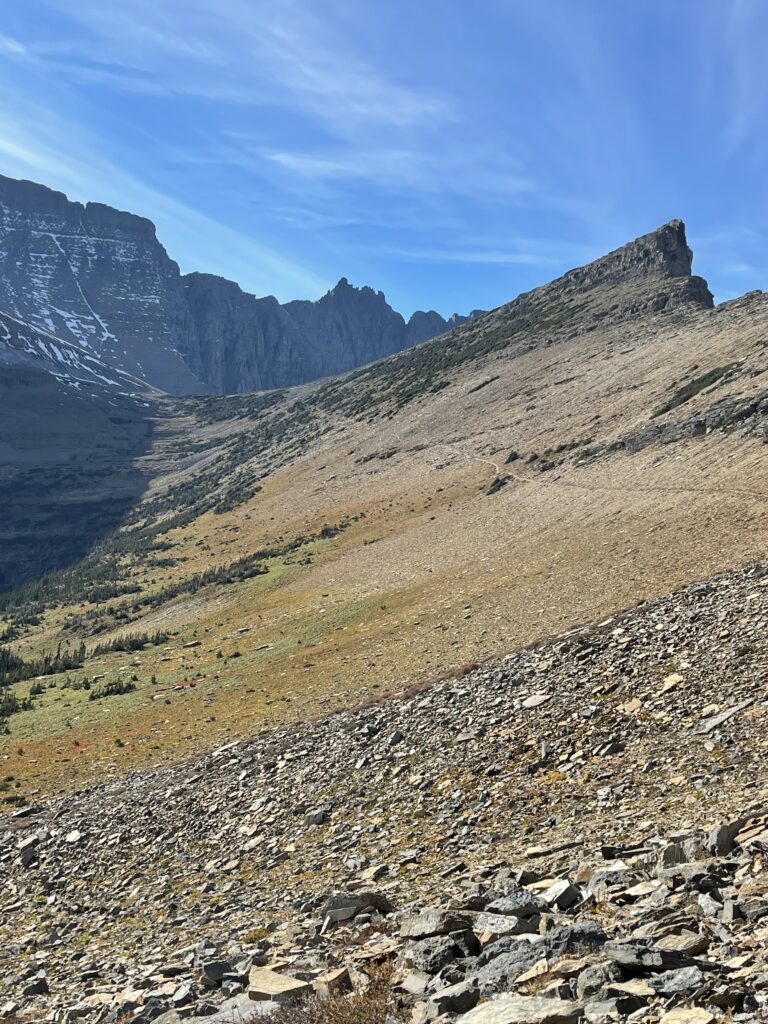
(661, 254)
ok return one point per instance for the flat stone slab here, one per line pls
(266, 984)
(696, 1015)
(524, 1010)
(433, 922)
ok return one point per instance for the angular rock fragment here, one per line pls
(264, 984)
(518, 904)
(524, 1010)
(433, 922)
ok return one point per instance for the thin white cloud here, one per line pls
(739, 267)
(334, 80)
(413, 170)
(732, 67)
(489, 256)
(279, 52)
(11, 47)
(528, 252)
(734, 234)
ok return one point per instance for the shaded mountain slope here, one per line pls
(71, 430)
(22, 345)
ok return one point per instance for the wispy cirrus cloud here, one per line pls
(280, 52)
(498, 257)
(11, 47)
(494, 248)
(731, 45)
(413, 170)
(744, 42)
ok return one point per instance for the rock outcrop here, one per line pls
(648, 275)
(241, 343)
(100, 278)
(662, 253)
(357, 325)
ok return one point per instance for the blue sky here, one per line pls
(451, 154)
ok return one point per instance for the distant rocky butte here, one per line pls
(650, 274)
(100, 278)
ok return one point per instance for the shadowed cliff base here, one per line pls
(67, 470)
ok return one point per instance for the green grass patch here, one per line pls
(694, 387)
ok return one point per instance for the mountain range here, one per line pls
(82, 437)
(100, 279)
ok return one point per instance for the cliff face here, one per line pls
(662, 253)
(100, 278)
(242, 343)
(349, 326)
(96, 277)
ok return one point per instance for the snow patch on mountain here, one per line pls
(26, 345)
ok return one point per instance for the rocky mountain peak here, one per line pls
(646, 276)
(661, 254)
(46, 205)
(343, 290)
(341, 286)
(425, 325)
